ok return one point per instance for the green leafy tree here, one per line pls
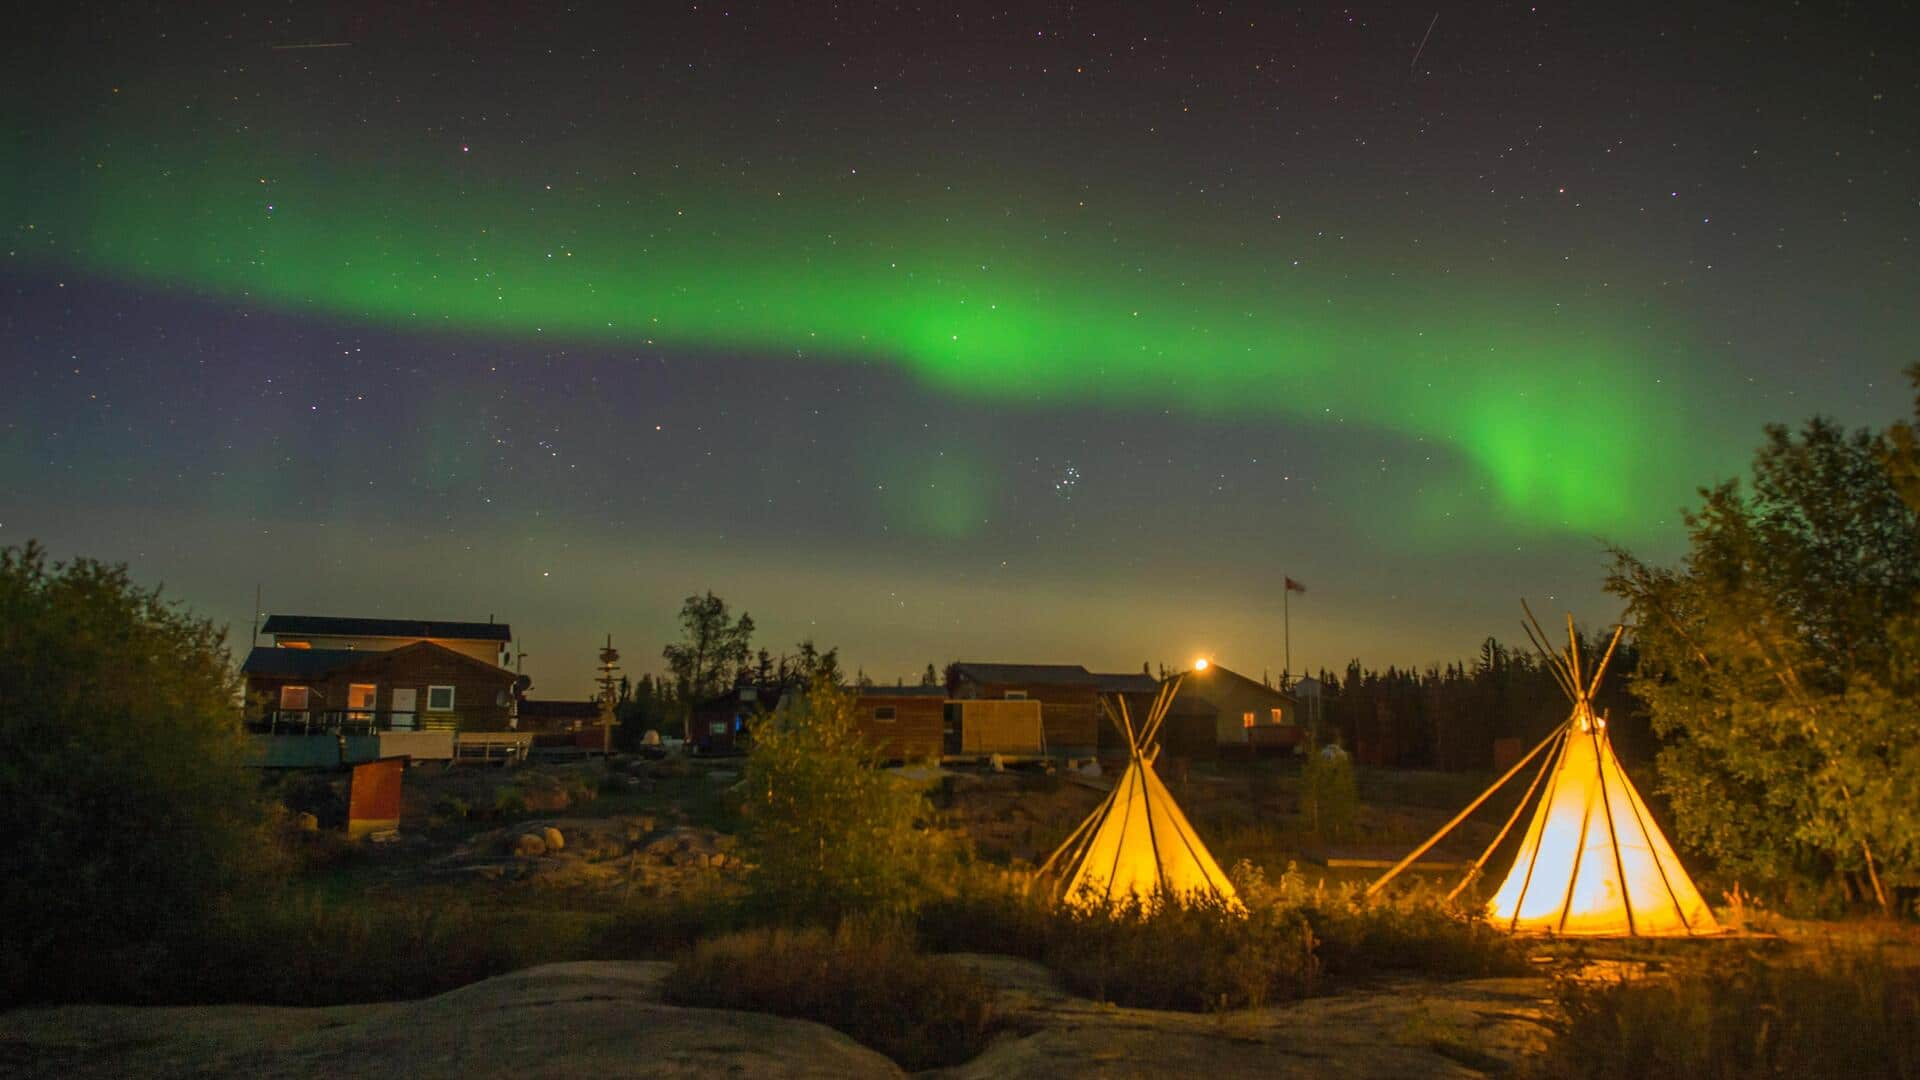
(1781, 661)
(830, 834)
(713, 648)
(128, 807)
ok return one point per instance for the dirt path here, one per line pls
(606, 1019)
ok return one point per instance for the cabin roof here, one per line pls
(341, 626)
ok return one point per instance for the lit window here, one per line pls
(439, 699)
(1246, 719)
(293, 698)
(1016, 695)
(1279, 716)
(883, 712)
(296, 644)
(360, 696)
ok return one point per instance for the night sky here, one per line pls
(1056, 335)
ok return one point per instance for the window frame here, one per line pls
(1248, 719)
(1013, 695)
(891, 712)
(431, 707)
(306, 698)
(373, 697)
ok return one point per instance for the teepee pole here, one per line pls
(1606, 806)
(1601, 671)
(1519, 808)
(1579, 859)
(1573, 650)
(1381, 882)
(1554, 663)
(1553, 787)
(1659, 864)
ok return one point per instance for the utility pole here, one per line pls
(1288, 587)
(609, 686)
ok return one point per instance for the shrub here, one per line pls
(1329, 795)
(864, 980)
(1198, 956)
(123, 785)
(828, 833)
(1841, 1015)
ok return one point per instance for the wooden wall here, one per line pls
(914, 733)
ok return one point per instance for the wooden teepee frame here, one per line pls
(1143, 747)
(1580, 686)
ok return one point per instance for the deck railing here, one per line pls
(348, 722)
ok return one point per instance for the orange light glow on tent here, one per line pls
(1592, 863)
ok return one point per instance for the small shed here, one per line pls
(902, 723)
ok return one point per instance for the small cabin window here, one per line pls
(296, 644)
(360, 696)
(293, 698)
(1016, 695)
(1279, 716)
(439, 699)
(883, 712)
(1246, 719)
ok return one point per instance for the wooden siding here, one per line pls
(478, 687)
(913, 734)
(1070, 715)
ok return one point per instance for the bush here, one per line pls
(1850, 1016)
(866, 981)
(123, 785)
(1329, 795)
(827, 832)
(1202, 956)
(1199, 956)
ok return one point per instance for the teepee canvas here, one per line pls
(1592, 862)
(1136, 844)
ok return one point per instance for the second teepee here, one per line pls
(1592, 862)
(1137, 846)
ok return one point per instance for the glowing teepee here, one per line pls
(1592, 862)
(1136, 844)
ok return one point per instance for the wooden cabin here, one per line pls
(422, 686)
(1246, 714)
(1068, 695)
(902, 723)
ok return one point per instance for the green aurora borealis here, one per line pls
(1051, 335)
(1032, 302)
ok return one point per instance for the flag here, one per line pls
(1294, 586)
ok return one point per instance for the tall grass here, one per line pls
(1846, 1015)
(868, 981)
(1202, 956)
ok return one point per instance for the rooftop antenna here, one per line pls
(254, 641)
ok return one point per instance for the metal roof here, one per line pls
(337, 626)
(1127, 683)
(299, 663)
(900, 691)
(1032, 674)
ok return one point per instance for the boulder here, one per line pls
(554, 840)
(529, 845)
(306, 822)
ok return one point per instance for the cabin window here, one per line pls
(1246, 719)
(883, 712)
(1016, 695)
(439, 699)
(296, 644)
(360, 696)
(718, 727)
(293, 698)
(1279, 716)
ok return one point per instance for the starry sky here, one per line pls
(1058, 334)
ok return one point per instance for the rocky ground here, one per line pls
(606, 1019)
